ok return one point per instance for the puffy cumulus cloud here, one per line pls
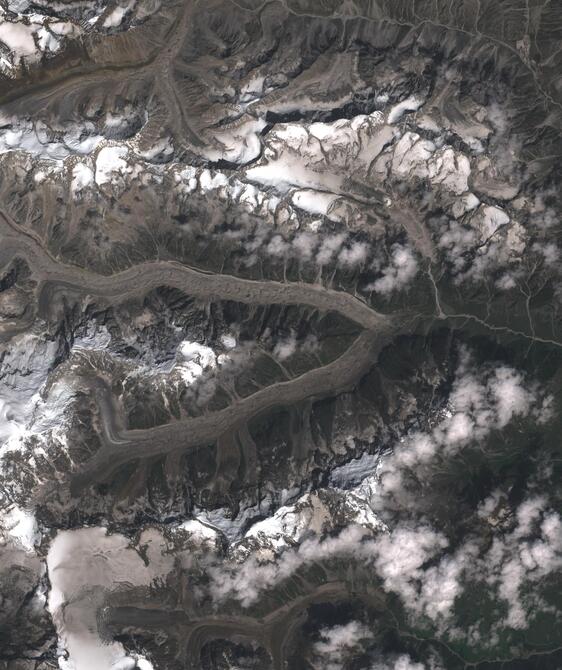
(410, 560)
(322, 249)
(481, 400)
(304, 245)
(410, 557)
(194, 371)
(511, 567)
(509, 395)
(549, 251)
(353, 256)
(337, 644)
(329, 247)
(442, 583)
(285, 348)
(402, 268)
(195, 357)
(400, 555)
(455, 238)
(277, 246)
(495, 395)
(399, 662)
(247, 580)
(524, 556)
(311, 247)
(411, 563)
(484, 243)
(318, 249)
(284, 344)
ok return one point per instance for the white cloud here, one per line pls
(442, 583)
(286, 347)
(549, 251)
(338, 643)
(354, 255)
(495, 241)
(399, 557)
(527, 554)
(399, 662)
(278, 246)
(304, 245)
(411, 557)
(244, 582)
(399, 273)
(329, 248)
(480, 401)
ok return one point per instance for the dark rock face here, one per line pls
(280, 370)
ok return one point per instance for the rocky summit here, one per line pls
(280, 335)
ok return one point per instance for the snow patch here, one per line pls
(82, 177)
(22, 527)
(109, 162)
(411, 104)
(83, 565)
